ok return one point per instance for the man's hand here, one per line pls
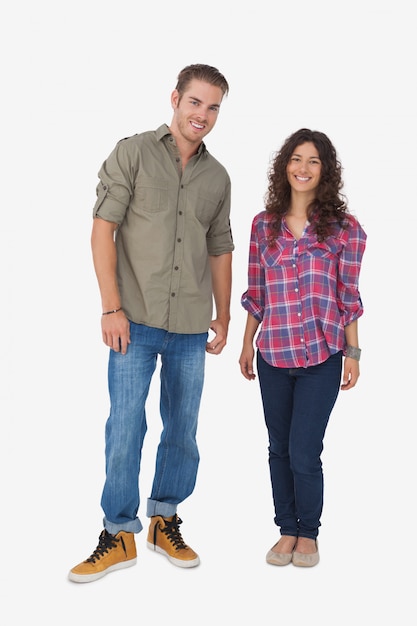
(115, 330)
(218, 342)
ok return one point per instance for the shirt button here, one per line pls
(177, 268)
(177, 159)
(173, 294)
(299, 314)
(179, 240)
(179, 212)
(296, 289)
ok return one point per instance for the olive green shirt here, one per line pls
(169, 222)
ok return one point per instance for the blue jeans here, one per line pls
(177, 458)
(297, 403)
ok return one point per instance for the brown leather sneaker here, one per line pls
(164, 536)
(113, 552)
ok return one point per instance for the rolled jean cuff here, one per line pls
(164, 509)
(133, 526)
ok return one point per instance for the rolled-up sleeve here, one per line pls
(219, 238)
(115, 187)
(349, 299)
(253, 299)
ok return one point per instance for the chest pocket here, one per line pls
(327, 250)
(203, 206)
(150, 196)
(280, 253)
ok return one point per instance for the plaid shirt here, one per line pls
(303, 292)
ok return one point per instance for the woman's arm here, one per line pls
(351, 365)
(248, 352)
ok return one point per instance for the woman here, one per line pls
(305, 256)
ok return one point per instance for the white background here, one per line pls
(77, 77)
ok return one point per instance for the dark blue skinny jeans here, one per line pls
(297, 403)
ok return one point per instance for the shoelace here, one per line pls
(106, 542)
(173, 533)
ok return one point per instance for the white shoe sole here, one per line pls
(177, 562)
(88, 578)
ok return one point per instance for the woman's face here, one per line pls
(304, 168)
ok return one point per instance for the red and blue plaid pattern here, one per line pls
(303, 292)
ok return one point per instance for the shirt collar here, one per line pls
(163, 131)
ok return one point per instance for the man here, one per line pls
(162, 250)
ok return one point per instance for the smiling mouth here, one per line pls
(302, 179)
(197, 126)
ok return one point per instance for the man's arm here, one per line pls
(221, 272)
(115, 326)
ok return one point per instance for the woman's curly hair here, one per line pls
(329, 203)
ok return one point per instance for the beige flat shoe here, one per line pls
(278, 558)
(299, 559)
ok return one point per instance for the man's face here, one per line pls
(197, 111)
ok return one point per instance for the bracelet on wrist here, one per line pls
(112, 311)
(353, 353)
